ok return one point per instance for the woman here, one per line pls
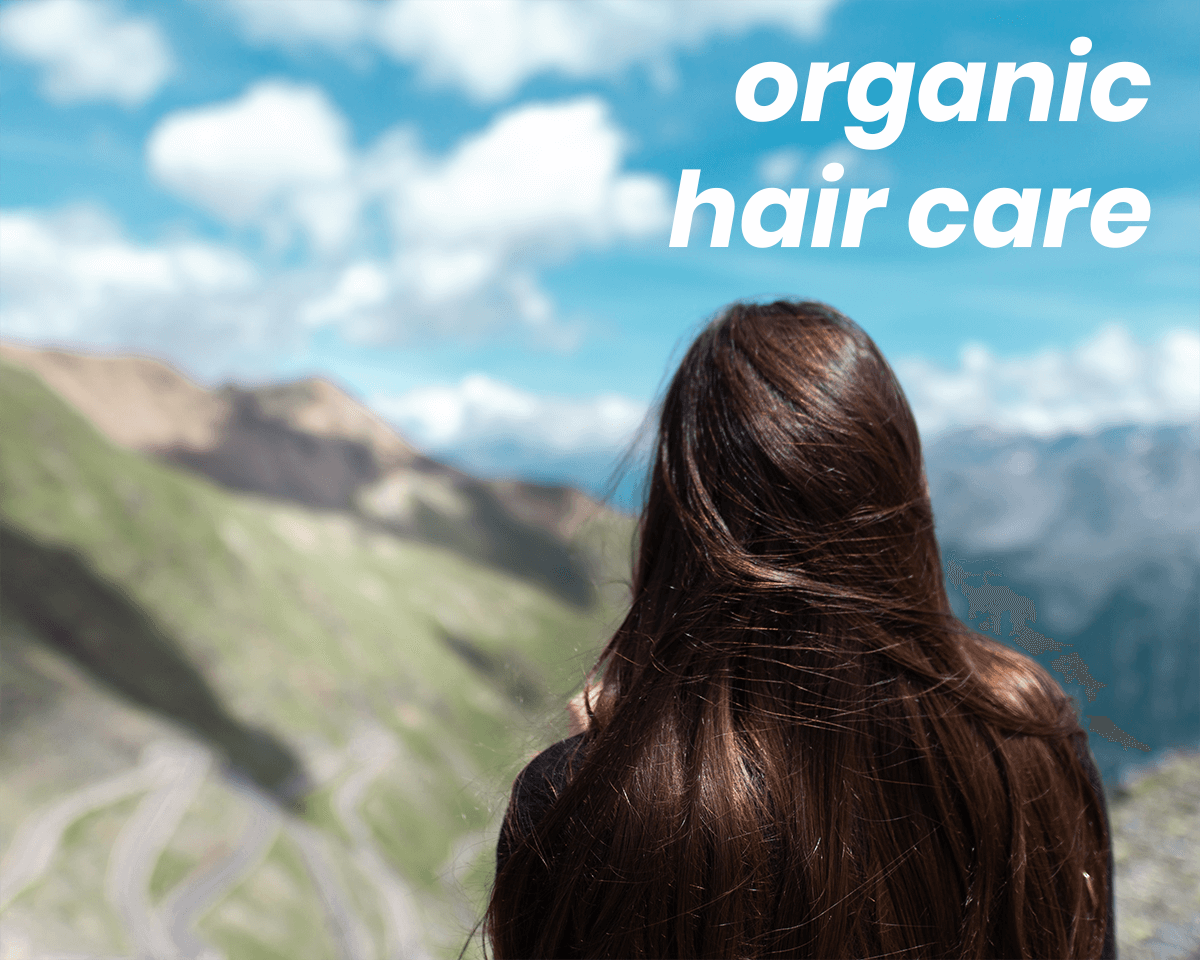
(797, 750)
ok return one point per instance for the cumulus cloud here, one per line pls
(88, 50)
(788, 167)
(467, 231)
(541, 181)
(278, 156)
(491, 428)
(488, 48)
(360, 287)
(459, 243)
(1108, 379)
(337, 24)
(480, 410)
(539, 172)
(73, 277)
(781, 167)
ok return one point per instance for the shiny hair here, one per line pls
(798, 750)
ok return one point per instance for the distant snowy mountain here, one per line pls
(1102, 534)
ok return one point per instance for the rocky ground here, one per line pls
(1155, 817)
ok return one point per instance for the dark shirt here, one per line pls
(538, 785)
(535, 790)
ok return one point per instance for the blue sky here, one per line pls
(461, 212)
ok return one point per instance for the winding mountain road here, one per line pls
(351, 937)
(141, 842)
(37, 839)
(376, 749)
(169, 775)
(201, 889)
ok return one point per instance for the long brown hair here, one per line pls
(798, 750)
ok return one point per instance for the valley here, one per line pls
(267, 672)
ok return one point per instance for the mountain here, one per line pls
(310, 443)
(266, 671)
(1101, 535)
(244, 713)
(1155, 815)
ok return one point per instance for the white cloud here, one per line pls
(1106, 380)
(1109, 379)
(362, 286)
(471, 228)
(540, 172)
(278, 156)
(88, 50)
(479, 410)
(74, 278)
(788, 167)
(488, 48)
(468, 231)
(490, 428)
(464, 234)
(781, 167)
(337, 24)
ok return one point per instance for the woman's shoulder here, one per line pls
(546, 774)
(534, 792)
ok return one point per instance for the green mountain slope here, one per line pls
(383, 687)
(309, 442)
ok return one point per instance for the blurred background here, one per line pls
(330, 330)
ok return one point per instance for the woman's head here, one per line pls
(798, 750)
(787, 499)
(788, 460)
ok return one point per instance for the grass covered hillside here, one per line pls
(266, 672)
(240, 722)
